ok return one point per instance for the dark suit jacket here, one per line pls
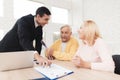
(21, 36)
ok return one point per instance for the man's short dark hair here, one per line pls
(43, 10)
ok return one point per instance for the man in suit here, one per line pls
(25, 30)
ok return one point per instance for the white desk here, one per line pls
(79, 74)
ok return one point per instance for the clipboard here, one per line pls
(53, 72)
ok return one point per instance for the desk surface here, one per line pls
(79, 74)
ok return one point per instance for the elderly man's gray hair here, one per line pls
(67, 27)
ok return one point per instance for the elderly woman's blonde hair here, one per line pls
(91, 31)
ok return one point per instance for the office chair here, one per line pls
(116, 59)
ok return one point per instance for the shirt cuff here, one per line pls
(35, 52)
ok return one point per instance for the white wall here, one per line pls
(7, 20)
(106, 13)
(77, 13)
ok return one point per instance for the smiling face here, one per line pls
(65, 34)
(42, 20)
(89, 32)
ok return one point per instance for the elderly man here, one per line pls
(64, 48)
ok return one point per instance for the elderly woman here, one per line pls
(93, 52)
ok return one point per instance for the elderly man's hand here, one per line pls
(49, 53)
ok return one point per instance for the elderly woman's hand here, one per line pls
(81, 63)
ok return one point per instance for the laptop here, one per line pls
(16, 60)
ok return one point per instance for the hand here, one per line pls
(49, 53)
(77, 61)
(51, 57)
(42, 61)
(81, 63)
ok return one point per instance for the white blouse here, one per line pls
(98, 55)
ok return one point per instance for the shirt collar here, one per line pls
(36, 24)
